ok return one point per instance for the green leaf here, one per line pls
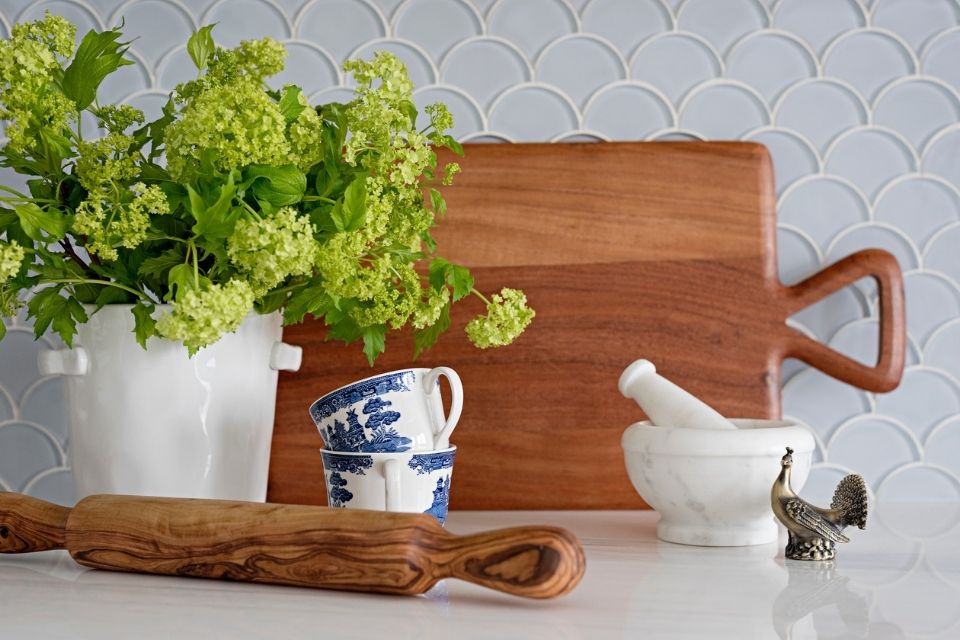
(312, 299)
(439, 204)
(438, 273)
(200, 46)
(460, 279)
(219, 219)
(144, 324)
(425, 338)
(280, 186)
(409, 109)
(49, 308)
(355, 204)
(450, 143)
(3, 330)
(35, 220)
(179, 281)
(111, 295)
(290, 105)
(374, 342)
(157, 266)
(344, 328)
(98, 55)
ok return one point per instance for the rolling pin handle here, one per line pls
(533, 562)
(28, 524)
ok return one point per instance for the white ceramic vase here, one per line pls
(158, 422)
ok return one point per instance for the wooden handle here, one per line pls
(28, 524)
(534, 562)
(298, 545)
(883, 268)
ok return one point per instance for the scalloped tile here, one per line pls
(823, 206)
(797, 257)
(579, 66)
(307, 67)
(870, 158)
(915, 21)
(940, 59)
(853, 239)
(827, 316)
(625, 23)
(161, 24)
(819, 110)
(467, 118)
(868, 61)
(942, 445)
(417, 20)
(770, 62)
(919, 483)
(675, 63)
(941, 253)
(485, 68)
(818, 22)
(45, 403)
(722, 23)
(419, 64)
(931, 301)
(821, 484)
(322, 23)
(917, 109)
(246, 20)
(531, 25)
(18, 353)
(919, 206)
(723, 111)
(859, 340)
(55, 486)
(851, 444)
(78, 14)
(447, 35)
(126, 81)
(533, 113)
(627, 112)
(924, 399)
(823, 417)
(942, 156)
(24, 452)
(793, 157)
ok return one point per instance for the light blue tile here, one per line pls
(722, 22)
(917, 109)
(533, 113)
(723, 111)
(940, 58)
(485, 67)
(418, 20)
(322, 24)
(924, 399)
(627, 112)
(853, 446)
(916, 21)
(870, 158)
(246, 20)
(919, 206)
(625, 23)
(770, 62)
(820, 110)
(818, 22)
(823, 206)
(162, 25)
(531, 24)
(25, 451)
(579, 66)
(793, 156)
(675, 63)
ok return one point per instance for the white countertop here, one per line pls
(898, 579)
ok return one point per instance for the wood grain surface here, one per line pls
(665, 251)
(349, 550)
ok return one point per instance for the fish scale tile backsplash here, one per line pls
(858, 101)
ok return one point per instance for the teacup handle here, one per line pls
(441, 434)
(391, 485)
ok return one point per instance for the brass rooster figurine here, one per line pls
(814, 532)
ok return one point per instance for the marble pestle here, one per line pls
(666, 404)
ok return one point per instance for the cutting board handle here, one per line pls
(882, 267)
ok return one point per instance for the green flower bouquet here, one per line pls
(237, 197)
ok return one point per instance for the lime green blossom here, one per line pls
(106, 162)
(251, 62)
(30, 98)
(431, 307)
(306, 138)
(269, 250)
(507, 316)
(117, 118)
(11, 257)
(240, 123)
(449, 170)
(201, 317)
(107, 224)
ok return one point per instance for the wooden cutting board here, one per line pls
(663, 250)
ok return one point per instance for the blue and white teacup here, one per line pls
(391, 412)
(409, 482)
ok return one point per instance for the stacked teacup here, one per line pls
(387, 441)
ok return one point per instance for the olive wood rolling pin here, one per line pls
(297, 545)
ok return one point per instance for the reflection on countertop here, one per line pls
(898, 579)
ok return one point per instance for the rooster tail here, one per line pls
(850, 498)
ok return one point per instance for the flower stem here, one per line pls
(105, 283)
(480, 295)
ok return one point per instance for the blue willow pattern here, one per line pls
(337, 493)
(441, 499)
(429, 462)
(353, 436)
(354, 393)
(346, 464)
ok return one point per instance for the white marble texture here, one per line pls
(858, 101)
(900, 578)
(712, 486)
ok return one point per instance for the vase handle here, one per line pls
(63, 362)
(285, 357)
